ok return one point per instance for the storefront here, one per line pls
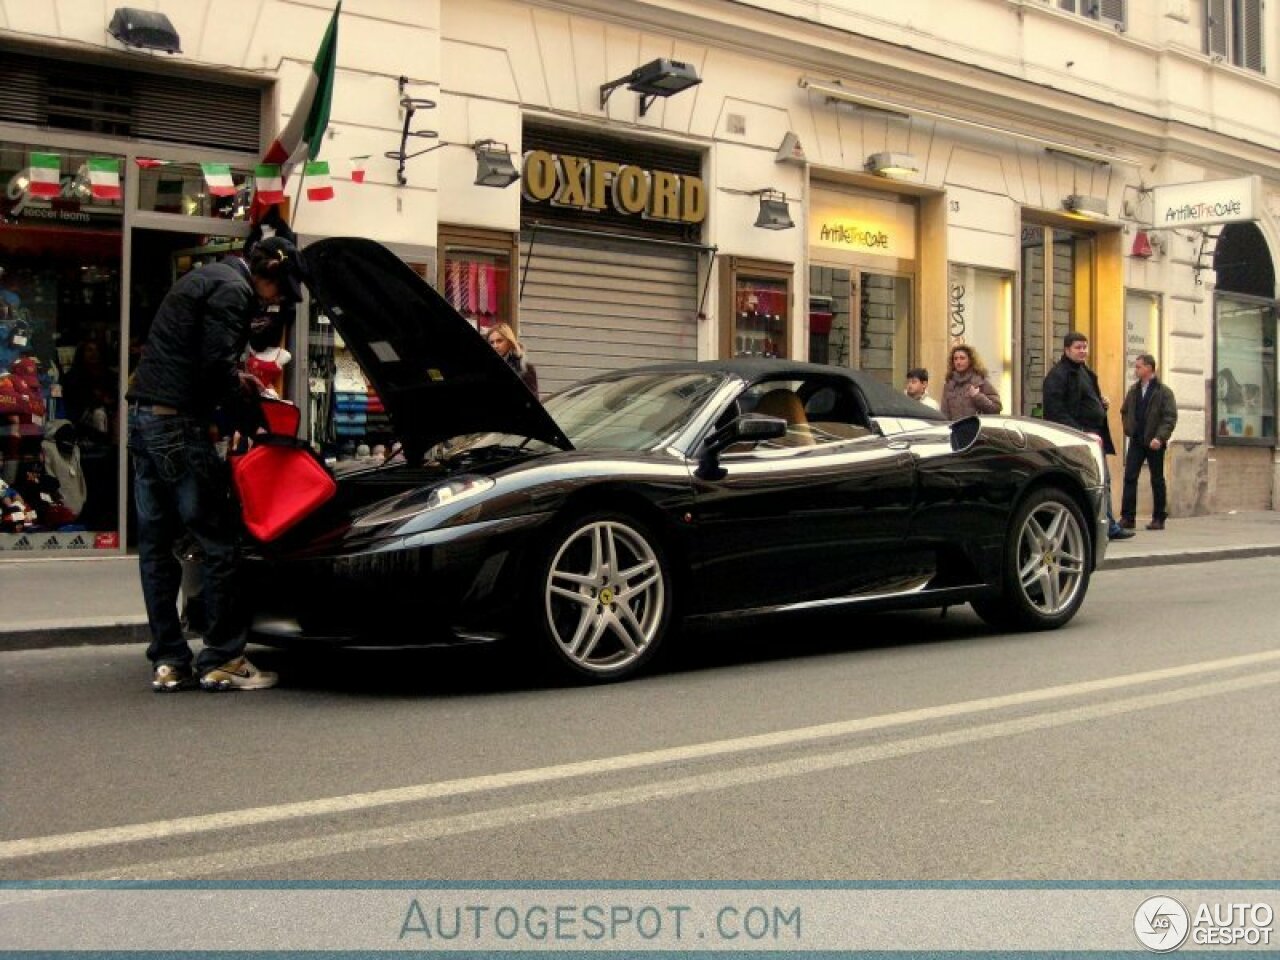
(93, 232)
(611, 267)
(863, 280)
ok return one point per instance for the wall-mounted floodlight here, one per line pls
(895, 165)
(657, 78)
(1091, 208)
(145, 29)
(493, 164)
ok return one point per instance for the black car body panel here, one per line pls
(867, 498)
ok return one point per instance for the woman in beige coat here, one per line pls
(967, 390)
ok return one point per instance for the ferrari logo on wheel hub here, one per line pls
(606, 596)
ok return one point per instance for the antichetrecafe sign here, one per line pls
(586, 184)
(1207, 202)
(863, 225)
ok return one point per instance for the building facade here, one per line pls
(847, 184)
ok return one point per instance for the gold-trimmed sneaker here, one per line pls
(238, 674)
(171, 677)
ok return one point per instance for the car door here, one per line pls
(800, 524)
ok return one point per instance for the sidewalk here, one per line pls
(67, 602)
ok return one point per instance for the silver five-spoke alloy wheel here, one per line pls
(605, 596)
(1051, 558)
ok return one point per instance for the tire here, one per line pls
(601, 597)
(1045, 573)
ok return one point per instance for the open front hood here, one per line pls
(435, 373)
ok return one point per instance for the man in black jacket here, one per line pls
(190, 369)
(1149, 414)
(1072, 397)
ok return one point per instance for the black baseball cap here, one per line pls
(278, 259)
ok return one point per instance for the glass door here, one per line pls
(860, 319)
(1057, 297)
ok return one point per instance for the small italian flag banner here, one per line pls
(104, 178)
(318, 185)
(46, 175)
(357, 168)
(150, 163)
(218, 177)
(269, 183)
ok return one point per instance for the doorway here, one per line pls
(861, 319)
(1057, 269)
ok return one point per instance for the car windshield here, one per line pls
(630, 411)
(626, 411)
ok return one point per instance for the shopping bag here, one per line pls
(279, 482)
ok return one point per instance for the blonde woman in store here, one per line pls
(967, 390)
(503, 339)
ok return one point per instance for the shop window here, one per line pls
(60, 345)
(1108, 11)
(980, 314)
(477, 268)
(1245, 370)
(181, 188)
(755, 305)
(1142, 332)
(1233, 32)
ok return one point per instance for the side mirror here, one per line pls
(748, 428)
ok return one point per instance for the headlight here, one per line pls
(420, 501)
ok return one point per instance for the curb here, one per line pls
(115, 632)
(1193, 555)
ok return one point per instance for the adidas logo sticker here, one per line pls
(52, 544)
(78, 542)
(23, 543)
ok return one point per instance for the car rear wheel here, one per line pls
(603, 595)
(1046, 566)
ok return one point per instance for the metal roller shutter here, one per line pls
(591, 305)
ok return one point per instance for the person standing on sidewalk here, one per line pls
(967, 391)
(1149, 414)
(188, 371)
(1072, 398)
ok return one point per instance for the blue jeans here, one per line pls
(181, 484)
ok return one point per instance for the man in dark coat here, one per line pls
(1072, 397)
(1149, 414)
(190, 369)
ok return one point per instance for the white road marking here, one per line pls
(239, 860)
(329, 806)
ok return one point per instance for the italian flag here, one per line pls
(104, 178)
(269, 183)
(218, 177)
(301, 136)
(46, 175)
(150, 163)
(357, 168)
(316, 173)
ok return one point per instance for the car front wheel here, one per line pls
(1046, 566)
(603, 595)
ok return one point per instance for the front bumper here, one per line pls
(443, 584)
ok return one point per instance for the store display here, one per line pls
(760, 319)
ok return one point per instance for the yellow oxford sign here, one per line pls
(585, 184)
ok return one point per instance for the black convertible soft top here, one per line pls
(881, 400)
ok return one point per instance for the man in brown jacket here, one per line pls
(1149, 414)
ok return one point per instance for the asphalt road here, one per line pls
(1139, 742)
